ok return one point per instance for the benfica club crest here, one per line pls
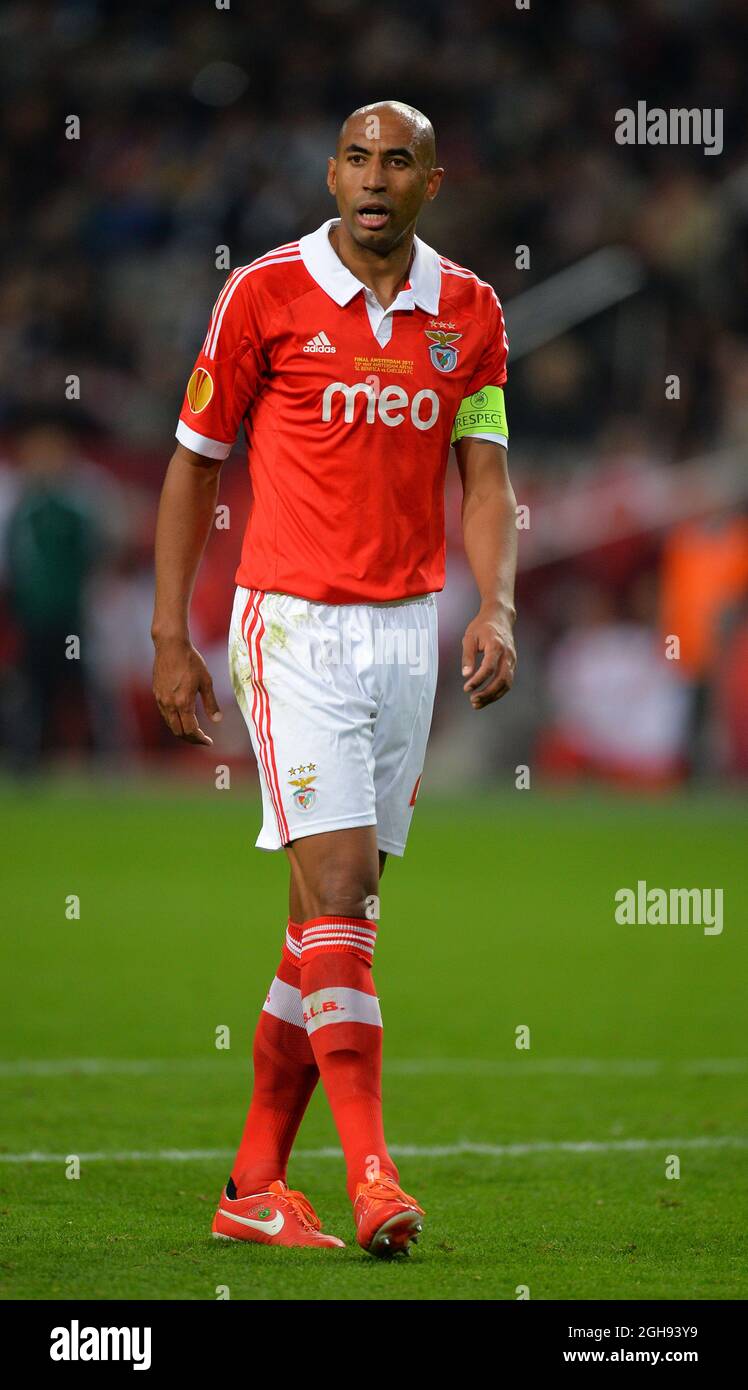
(443, 355)
(305, 798)
(305, 794)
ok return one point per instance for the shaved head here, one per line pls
(417, 128)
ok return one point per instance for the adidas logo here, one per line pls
(319, 343)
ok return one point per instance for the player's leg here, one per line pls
(407, 640)
(340, 871)
(285, 1071)
(256, 1204)
(311, 726)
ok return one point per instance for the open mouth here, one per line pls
(373, 216)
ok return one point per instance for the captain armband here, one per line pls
(483, 413)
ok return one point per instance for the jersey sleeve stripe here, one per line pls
(276, 252)
(218, 302)
(451, 268)
(262, 264)
(280, 253)
(456, 268)
(467, 275)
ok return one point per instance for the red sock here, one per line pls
(342, 1017)
(285, 1075)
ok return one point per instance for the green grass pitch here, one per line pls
(500, 915)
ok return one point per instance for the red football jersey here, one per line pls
(348, 410)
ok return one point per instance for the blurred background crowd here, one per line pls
(627, 312)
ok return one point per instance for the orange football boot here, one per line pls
(386, 1218)
(279, 1216)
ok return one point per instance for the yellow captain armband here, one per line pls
(483, 413)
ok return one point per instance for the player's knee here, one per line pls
(341, 896)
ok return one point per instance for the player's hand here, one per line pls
(179, 673)
(488, 644)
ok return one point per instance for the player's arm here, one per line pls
(185, 516)
(218, 396)
(489, 531)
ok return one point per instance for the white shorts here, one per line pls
(338, 701)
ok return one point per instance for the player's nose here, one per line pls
(374, 180)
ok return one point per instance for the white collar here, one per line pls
(326, 267)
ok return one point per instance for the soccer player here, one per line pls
(353, 357)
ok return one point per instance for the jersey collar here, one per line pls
(327, 269)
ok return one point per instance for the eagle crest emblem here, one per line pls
(305, 794)
(441, 350)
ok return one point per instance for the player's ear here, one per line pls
(434, 184)
(332, 167)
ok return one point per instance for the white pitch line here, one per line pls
(108, 1066)
(494, 1066)
(462, 1150)
(409, 1066)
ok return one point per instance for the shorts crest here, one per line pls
(305, 795)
